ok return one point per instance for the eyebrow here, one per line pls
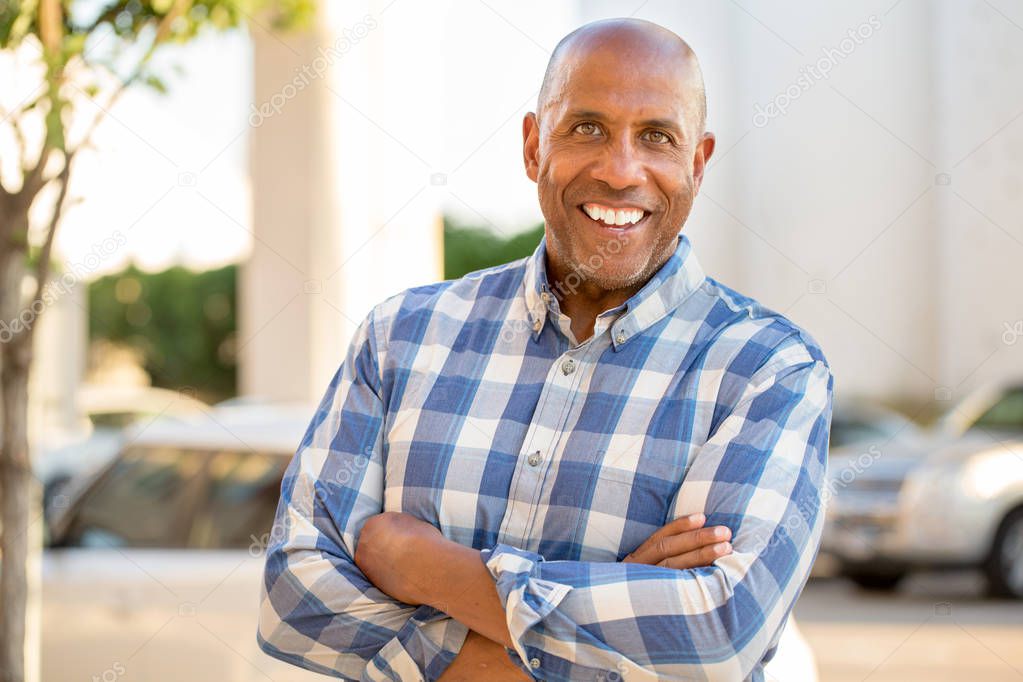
(667, 123)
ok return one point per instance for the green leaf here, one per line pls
(156, 84)
(55, 126)
(74, 43)
(8, 13)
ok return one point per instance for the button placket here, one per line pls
(527, 488)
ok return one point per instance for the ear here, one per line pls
(704, 150)
(531, 145)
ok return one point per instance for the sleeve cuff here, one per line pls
(526, 598)
(422, 650)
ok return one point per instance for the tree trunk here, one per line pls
(17, 485)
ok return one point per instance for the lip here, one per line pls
(617, 230)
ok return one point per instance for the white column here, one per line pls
(343, 212)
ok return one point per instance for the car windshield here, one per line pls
(168, 497)
(142, 501)
(1006, 414)
(847, 431)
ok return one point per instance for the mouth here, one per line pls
(615, 219)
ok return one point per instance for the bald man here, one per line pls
(593, 463)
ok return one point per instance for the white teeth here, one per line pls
(615, 217)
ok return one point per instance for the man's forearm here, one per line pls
(482, 659)
(458, 583)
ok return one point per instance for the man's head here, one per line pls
(619, 125)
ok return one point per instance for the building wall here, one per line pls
(880, 209)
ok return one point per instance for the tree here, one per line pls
(57, 37)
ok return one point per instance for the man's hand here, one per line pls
(683, 543)
(390, 549)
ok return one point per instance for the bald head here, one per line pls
(644, 45)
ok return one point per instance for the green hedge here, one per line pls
(185, 322)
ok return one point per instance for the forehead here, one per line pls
(641, 84)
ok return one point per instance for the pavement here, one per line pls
(936, 628)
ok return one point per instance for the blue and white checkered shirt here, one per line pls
(469, 404)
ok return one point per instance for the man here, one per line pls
(564, 445)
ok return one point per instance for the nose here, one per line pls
(619, 166)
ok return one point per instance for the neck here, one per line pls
(583, 300)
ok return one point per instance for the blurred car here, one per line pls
(859, 422)
(153, 570)
(951, 499)
(105, 412)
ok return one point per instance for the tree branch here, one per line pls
(42, 269)
(163, 29)
(34, 178)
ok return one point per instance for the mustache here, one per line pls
(615, 199)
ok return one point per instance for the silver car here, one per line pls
(105, 412)
(154, 567)
(951, 499)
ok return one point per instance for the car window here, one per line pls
(1007, 413)
(238, 505)
(114, 420)
(846, 432)
(144, 500)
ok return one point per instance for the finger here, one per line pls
(659, 548)
(646, 554)
(674, 545)
(704, 556)
(679, 525)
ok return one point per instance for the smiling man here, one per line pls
(593, 463)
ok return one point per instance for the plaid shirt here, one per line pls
(469, 404)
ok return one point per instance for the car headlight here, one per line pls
(986, 474)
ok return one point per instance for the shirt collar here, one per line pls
(678, 277)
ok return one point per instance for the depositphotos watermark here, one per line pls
(1013, 332)
(61, 286)
(312, 71)
(114, 672)
(811, 74)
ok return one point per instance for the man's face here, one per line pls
(618, 159)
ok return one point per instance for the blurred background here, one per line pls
(233, 222)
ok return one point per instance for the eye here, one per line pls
(588, 128)
(657, 136)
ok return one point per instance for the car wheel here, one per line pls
(875, 580)
(1005, 565)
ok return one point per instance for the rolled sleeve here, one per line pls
(318, 611)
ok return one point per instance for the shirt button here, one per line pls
(534, 458)
(537, 325)
(621, 337)
(534, 663)
(568, 366)
(545, 297)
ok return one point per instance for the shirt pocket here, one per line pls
(634, 489)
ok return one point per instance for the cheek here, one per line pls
(560, 167)
(677, 183)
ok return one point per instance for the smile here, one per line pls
(622, 217)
